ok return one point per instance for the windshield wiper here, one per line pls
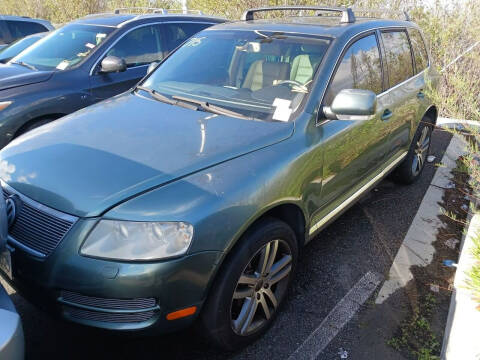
(204, 105)
(23, 63)
(160, 97)
(157, 95)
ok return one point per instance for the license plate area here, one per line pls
(6, 263)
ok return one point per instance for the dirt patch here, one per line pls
(420, 334)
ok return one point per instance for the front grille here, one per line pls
(105, 303)
(37, 227)
(108, 317)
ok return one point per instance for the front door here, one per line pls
(139, 48)
(353, 150)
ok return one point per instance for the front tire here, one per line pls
(412, 167)
(251, 286)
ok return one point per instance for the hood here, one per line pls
(12, 75)
(91, 160)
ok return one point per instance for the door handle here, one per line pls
(421, 94)
(387, 114)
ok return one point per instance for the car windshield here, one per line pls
(18, 46)
(64, 48)
(261, 75)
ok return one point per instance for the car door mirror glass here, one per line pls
(113, 64)
(352, 104)
(152, 66)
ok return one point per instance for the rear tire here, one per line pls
(412, 167)
(251, 286)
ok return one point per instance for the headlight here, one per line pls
(129, 240)
(5, 104)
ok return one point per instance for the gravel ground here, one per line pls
(366, 238)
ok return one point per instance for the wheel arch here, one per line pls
(289, 212)
(431, 113)
(32, 121)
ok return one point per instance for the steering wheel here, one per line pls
(293, 83)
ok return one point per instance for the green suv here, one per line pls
(190, 196)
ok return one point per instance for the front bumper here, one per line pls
(11, 332)
(109, 294)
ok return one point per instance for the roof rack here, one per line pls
(187, 11)
(347, 13)
(404, 14)
(143, 10)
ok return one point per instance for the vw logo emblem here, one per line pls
(12, 208)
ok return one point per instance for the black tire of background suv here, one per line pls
(403, 173)
(215, 319)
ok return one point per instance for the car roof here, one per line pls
(119, 20)
(313, 25)
(24, 18)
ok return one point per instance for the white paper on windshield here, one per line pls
(282, 109)
(63, 65)
(89, 45)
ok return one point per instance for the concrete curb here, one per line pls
(461, 340)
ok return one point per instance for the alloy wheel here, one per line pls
(421, 151)
(261, 287)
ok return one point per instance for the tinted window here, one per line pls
(17, 47)
(19, 29)
(399, 57)
(140, 46)
(419, 50)
(360, 68)
(3, 36)
(178, 33)
(65, 47)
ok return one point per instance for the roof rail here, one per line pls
(347, 13)
(143, 10)
(404, 14)
(188, 11)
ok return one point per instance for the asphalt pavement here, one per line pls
(364, 239)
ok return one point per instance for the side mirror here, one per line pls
(113, 64)
(152, 66)
(352, 104)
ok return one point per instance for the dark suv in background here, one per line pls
(85, 61)
(15, 27)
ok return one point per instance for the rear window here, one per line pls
(419, 50)
(398, 56)
(19, 29)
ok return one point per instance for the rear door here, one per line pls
(403, 88)
(421, 62)
(138, 47)
(353, 150)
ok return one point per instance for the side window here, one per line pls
(360, 68)
(3, 35)
(177, 33)
(139, 47)
(19, 29)
(420, 53)
(399, 56)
